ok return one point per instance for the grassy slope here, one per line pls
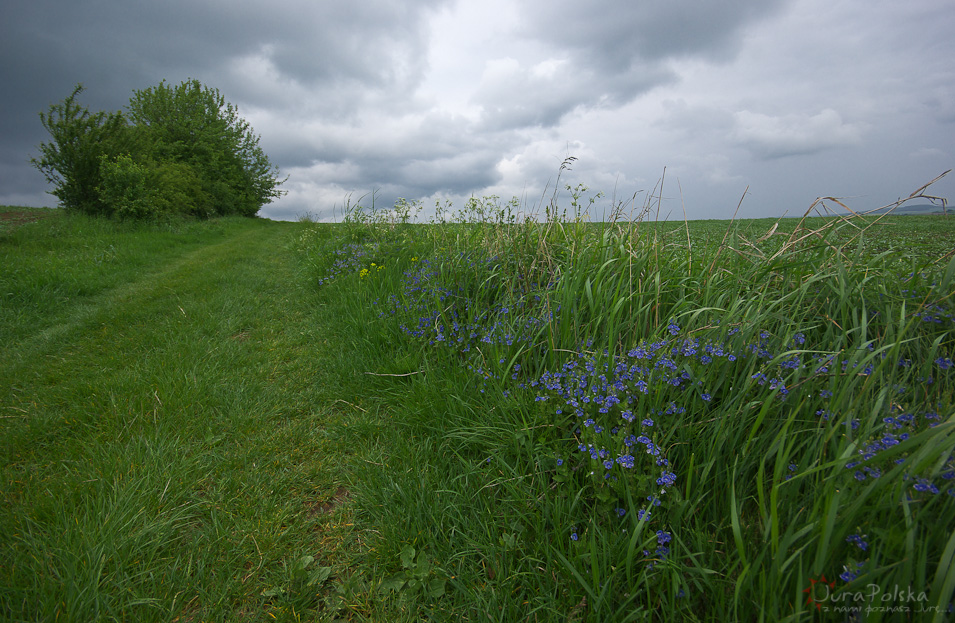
(167, 442)
(183, 406)
(471, 487)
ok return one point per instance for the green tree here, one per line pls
(71, 160)
(192, 124)
(177, 150)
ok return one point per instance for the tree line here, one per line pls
(175, 151)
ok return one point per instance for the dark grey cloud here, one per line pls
(614, 34)
(310, 42)
(940, 101)
(433, 155)
(607, 53)
(694, 120)
(325, 60)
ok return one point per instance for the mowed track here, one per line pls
(165, 443)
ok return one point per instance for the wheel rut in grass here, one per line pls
(196, 396)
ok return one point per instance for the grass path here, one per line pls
(166, 443)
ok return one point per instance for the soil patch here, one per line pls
(341, 496)
(12, 219)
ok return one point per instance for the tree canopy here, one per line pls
(175, 150)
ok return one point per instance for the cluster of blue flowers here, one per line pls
(852, 570)
(896, 429)
(619, 429)
(446, 314)
(349, 258)
(663, 548)
(936, 314)
(617, 407)
(926, 310)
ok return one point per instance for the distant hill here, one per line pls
(922, 208)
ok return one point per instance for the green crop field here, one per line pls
(481, 418)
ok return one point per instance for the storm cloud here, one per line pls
(444, 99)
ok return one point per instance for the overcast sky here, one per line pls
(445, 99)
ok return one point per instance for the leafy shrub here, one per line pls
(147, 190)
(177, 150)
(125, 187)
(71, 161)
(180, 191)
(193, 124)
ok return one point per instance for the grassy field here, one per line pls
(492, 420)
(171, 444)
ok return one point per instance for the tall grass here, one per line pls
(611, 422)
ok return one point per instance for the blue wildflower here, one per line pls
(925, 485)
(858, 540)
(666, 479)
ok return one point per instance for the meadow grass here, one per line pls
(170, 446)
(486, 418)
(629, 421)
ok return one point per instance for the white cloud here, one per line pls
(767, 136)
